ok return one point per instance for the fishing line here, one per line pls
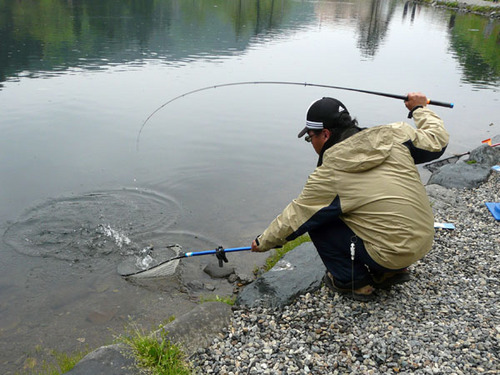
(388, 95)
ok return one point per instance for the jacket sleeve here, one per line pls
(310, 209)
(429, 140)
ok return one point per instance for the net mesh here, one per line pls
(434, 166)
(151, 263)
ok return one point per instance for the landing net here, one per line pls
(152, 263)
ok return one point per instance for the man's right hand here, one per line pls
(415, 99)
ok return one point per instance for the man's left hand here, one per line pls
(255, 247)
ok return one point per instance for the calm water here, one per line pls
(78, 193)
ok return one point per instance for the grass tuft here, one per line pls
(279, 253)
(156, 355)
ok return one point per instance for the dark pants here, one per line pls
(333, 242)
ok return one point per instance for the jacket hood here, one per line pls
(362, 151)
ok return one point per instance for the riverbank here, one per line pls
(445, 320)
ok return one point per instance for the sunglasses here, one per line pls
(308, 138)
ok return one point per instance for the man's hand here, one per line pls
(255, 247)
(415, 99)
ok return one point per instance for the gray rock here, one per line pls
(107, 360)
(460, 175)
(197, 328)
(441, 193)
(299, 271)
(210, 287)
(441, 198)
(195, 285)
(217, 272)
(485, 155)
(244, 278)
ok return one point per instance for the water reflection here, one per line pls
(475, 42)
(371, 20)
(50, 37)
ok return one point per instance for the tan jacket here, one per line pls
(371, 182)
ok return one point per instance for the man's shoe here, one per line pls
(388, 279)
(363, 294)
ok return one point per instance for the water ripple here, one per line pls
(97, 224)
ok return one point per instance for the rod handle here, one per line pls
(405, 97)
(440, 104)
(237, 249)
(207, 252)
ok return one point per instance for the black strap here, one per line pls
(221, 255)
(410, 114)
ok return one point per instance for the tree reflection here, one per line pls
(40, 37)
(373, 26)
(475, 41)
(53, 35)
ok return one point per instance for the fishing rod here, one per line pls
(388, 95)
(220, 253)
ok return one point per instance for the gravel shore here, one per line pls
(446, 320)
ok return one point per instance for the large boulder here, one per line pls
(468, 174)
(298, 272)
(460, 175)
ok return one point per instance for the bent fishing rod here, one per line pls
(394, 96)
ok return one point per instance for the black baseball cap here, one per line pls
(322, 114)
